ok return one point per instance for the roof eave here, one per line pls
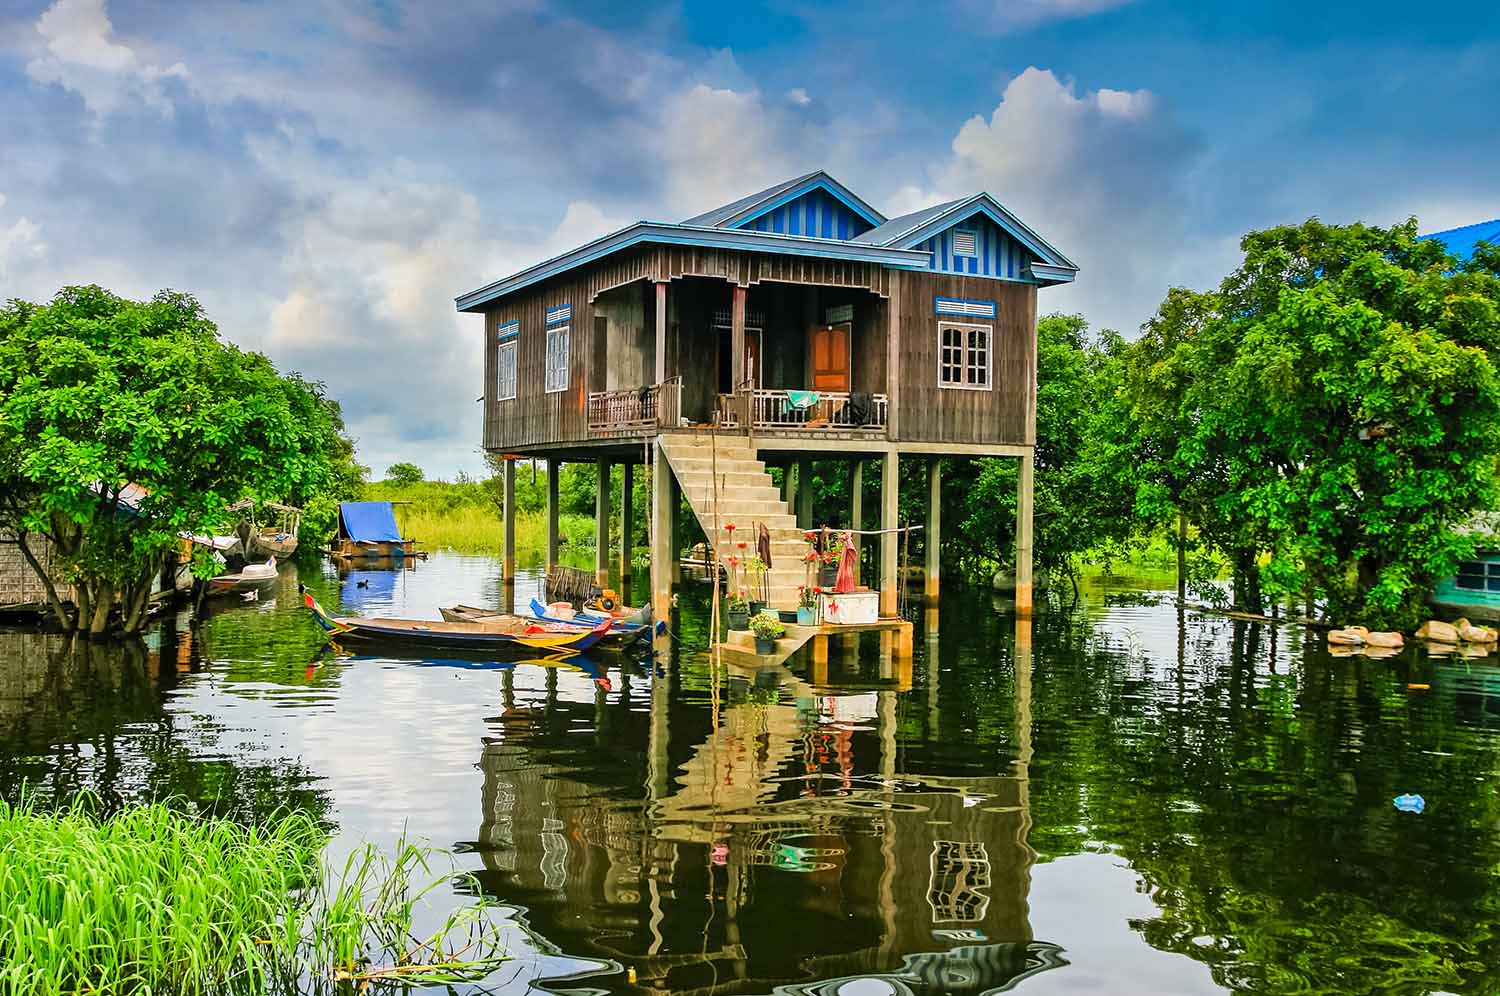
(1048, 275)
(1000, 214)
(714, 238)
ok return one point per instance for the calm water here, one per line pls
(1121, 801)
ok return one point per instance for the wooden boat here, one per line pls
(502, 633)
(621, 634)
(274, 543)
(367, 530)
(252, 577)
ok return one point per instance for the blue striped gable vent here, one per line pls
(969, 309)
(559, 314)
(508, 331)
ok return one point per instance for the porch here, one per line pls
(778, 357)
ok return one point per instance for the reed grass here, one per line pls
(151, 900)
(479, 529)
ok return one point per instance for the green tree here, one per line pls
(404, 474)
(1336, 413)
(125, 423)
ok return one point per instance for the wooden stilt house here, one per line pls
(799, 322)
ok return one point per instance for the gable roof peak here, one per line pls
(738, 211)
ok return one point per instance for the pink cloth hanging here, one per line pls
(844, 582)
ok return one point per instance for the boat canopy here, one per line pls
(368, 522)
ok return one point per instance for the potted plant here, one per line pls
(767, 629)
(739, 610)
(807, 605)
(755, 575)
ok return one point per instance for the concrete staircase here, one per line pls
(746, 495)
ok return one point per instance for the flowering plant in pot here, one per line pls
(767, 629)
(833, 549)
(738, 609)
(807, 605)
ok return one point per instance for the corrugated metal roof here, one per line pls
(892, 230)
(1461, 241)
(734, 212)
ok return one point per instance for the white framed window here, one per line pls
(505, 371)
(964, 356)
(1478, 575)
(557, 359)
(965, 242)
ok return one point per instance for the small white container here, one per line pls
(850, 608)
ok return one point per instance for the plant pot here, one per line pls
(828, 575)
(807, 616)
(739, 619)
(787, 615)
(756, 608)
(765, 647)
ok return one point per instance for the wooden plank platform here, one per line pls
(740, 646)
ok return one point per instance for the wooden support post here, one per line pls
(890, 542)
(789, 488)
(932, 535)
(804, 494)
(601, 525)
(1024, 485)
(627, 520)
(661, 332)
(554, 470)
(738, 373)
(661, 532)
(857, 510)
(820, 649)
(508, 554)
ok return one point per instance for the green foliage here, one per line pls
(403, 474)
(104, 399)
(154, 900)
(1328, 417)
(767, 626)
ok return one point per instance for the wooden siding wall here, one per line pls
(929, 413)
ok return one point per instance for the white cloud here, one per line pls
(1015, 15)
(1102, 175)
(21, 245)
(82, 56)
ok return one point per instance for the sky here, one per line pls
(327, 175)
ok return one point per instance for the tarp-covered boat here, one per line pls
(368, 529)
(500, 634)
(638, 621)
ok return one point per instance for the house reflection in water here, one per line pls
(781, 848)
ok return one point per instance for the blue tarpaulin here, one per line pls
(1461, 241)
(369, 521)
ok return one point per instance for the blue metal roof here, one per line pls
(747, 208)
(890, 243)
(712, 238)
(1461, 241)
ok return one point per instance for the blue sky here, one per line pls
(326, 175)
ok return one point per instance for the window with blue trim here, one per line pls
(505, 371)
(557, 359)
(1478, 575)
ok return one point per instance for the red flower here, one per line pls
(730, 527)
(733, 561)
(742, 544)
(817, 591)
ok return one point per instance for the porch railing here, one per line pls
(636, 409)
(833, 410)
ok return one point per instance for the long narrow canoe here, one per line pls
(514, 634)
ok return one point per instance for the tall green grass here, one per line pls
(151, 900)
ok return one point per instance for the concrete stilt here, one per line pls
(932, 535)
(627, 520)
(674, 519)
(889, 541)
(601, 525)
(1024, 487)
(662, 495)
(508, 554)
(554, 470)
(804, 494)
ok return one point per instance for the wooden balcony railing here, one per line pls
(834, 410)
(637, 409)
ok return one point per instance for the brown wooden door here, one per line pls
(753, 372)
(830, 358)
